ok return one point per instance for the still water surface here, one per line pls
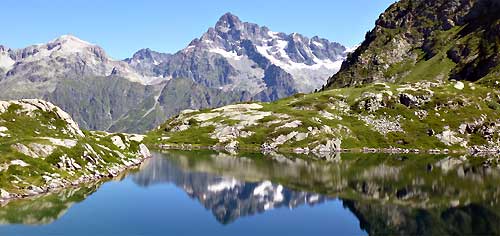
(209, 193)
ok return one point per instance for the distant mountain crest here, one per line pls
(63, 57)
(239, 55)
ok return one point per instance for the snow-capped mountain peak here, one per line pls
(71, 40)
(237, 55)
(69, 44)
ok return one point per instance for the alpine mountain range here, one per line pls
(232, 62)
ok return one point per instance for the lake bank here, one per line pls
(472, 151)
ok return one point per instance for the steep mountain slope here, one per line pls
(396, 92)
(428, 39)
(43, 149)
(174, 96)
(236, 55)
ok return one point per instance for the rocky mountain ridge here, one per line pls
(428, 40)
(236, 55)
(65, 56)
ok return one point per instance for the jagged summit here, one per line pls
(228, 20)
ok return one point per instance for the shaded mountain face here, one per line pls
(236, 55)
(116, 104)
(428, 40)
(232, 62)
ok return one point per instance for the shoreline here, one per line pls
(474, 151)
(31, 193)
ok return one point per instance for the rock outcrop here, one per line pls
(44, 149)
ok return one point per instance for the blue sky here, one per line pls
(122, 27)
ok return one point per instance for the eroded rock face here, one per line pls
(229, 133)
(4, 194)
(42, 150)
(67, 143)
(19, 163)
(293, 124)
(459, 85)
(371, 101)
(3, 131)
(383, 125)
(144, 151)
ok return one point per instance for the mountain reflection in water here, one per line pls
(395, 195)
(229, 196)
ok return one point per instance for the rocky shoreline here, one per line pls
(474, 151)
(57, 184)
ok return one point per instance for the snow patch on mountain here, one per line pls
(6, 62)
(306, 77)
(231, 55)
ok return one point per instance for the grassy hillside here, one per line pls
(42, 148)
(421, 115)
